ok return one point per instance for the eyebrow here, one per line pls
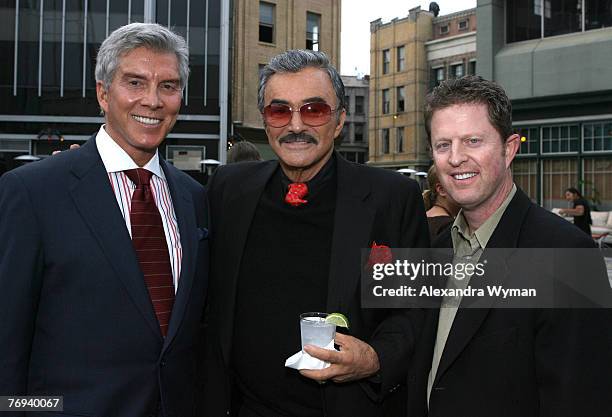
(142, 77)
(315, 99)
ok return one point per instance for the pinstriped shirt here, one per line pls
(116, 160)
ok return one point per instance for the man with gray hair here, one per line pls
(286, 239)
(104, 258)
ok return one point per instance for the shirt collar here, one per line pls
(482, 235)
(115, 159)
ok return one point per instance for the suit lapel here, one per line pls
(352, 229)
(94, 199)
(239, 209)
(185, 216)
(468, 320)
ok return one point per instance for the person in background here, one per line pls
(581, 210)
(441, 209)
(243, 151)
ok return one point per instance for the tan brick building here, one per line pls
(452, 51)
(399, 80)
(263, 29)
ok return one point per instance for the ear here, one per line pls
(511, 147)
(340, 125)
(102, 95)
(440, 190)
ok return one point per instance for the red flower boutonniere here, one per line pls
(379, 254)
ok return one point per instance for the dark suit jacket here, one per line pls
(519, 362)
(371, 205)
(77, 319)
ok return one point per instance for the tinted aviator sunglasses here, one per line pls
(312, 114)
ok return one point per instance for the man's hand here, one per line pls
(73, 146)
(355, 360)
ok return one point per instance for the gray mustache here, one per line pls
(298, 137)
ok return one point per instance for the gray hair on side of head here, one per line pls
(296, 60)
(135, 35)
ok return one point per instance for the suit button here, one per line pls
(162, 363)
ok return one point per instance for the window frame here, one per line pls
(386, 61)
(386, 100)
(399, 140)
(316, 44)
(397, 99)
(267, 25)
(401, 58)
(384, 139)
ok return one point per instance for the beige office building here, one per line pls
(263, 29)
(399, 81)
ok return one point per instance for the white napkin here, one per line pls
(303, 360)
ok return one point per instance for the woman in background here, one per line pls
(441, 210)
(581, 210)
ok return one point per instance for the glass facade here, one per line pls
(558, 156)
(534, 19)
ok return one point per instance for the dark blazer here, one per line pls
(371, 205)
(519, 362)
(77, 319)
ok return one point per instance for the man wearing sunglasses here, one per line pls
(287, 238)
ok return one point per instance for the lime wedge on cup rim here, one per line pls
(338, 319)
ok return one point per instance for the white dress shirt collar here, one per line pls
(115, 159)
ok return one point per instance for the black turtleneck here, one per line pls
(284, 272)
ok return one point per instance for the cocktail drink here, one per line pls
(315, 330)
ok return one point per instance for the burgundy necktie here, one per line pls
(296, 193)
(149, 241)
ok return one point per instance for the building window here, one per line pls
(349, 156)
(401, 58)
(557, 176)
(565, 17)
(361, 157)
(266, 22)
(530, 140)
(598, 180)
(463, 25)
(385, 141)
(472, 67)
(358, 132)
(359, 109)
(313, 31)
(457, 70)
(386, 103)
(560, 139)
(525, 175)
(597, 14)
(401, 99)
(399, 140)
(346, 133)
(444, 29)
(437, 76)
(524, 17)
(386, 56)
(523, 20)
(597, 137)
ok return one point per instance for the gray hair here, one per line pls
(296, 60)
(135, 35)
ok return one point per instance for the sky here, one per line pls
(356, 18)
